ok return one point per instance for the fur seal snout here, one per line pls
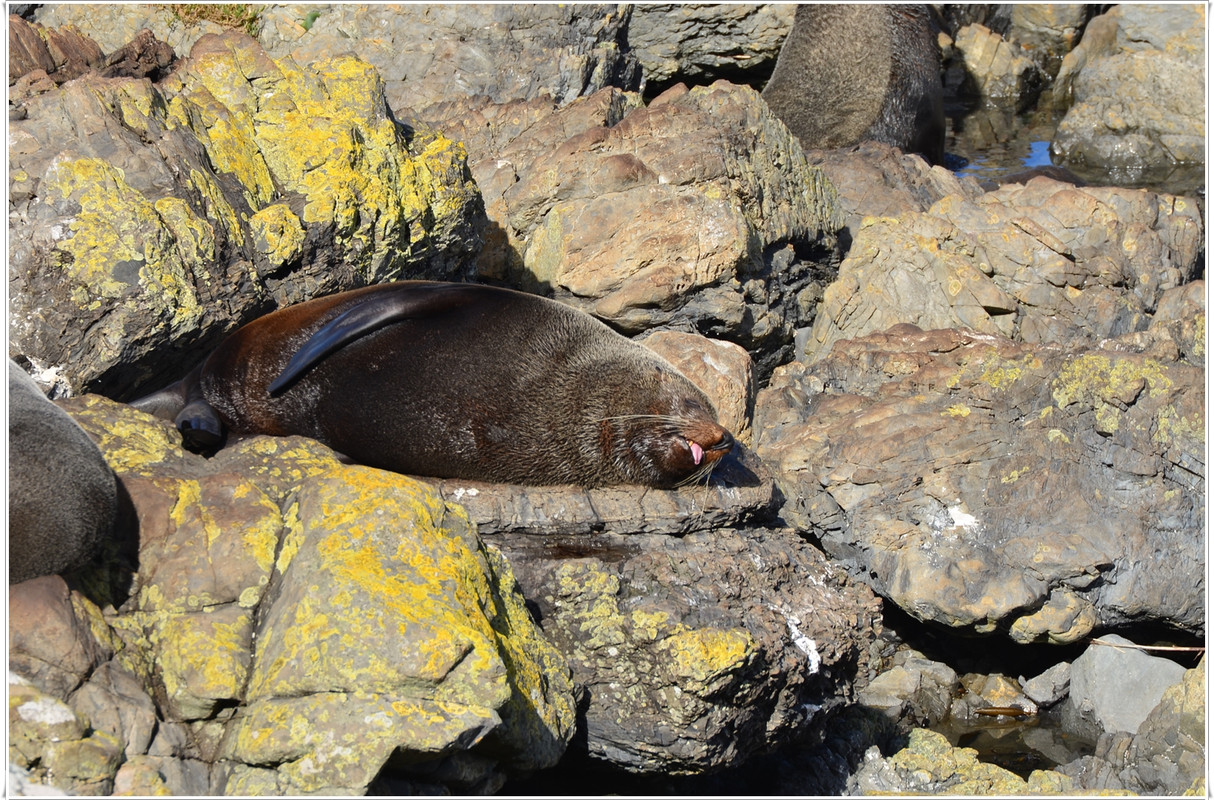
(454, 381)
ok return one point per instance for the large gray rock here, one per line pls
(1167, 756)
(989, 485)
(1040, 262)
(1137, 91)
(1117, 687)
(697, 652)
(428, 54)
(702, 42)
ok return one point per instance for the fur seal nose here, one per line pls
(725, 444)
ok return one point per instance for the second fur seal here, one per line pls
(852, 72)
(454, 380)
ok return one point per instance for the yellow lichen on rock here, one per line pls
(1095, 377)
(704, 657)
(388, 601)
(202, 658)
(110, 253)
(277, 234)
(131, 440)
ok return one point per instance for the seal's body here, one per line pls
(849, 73)
(454, 380)
(62, 496)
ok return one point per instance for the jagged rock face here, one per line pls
(697, 652)
(989, 485)
(425, 53)
(143, 212)
(1042, 262)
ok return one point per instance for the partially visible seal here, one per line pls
(62, 496)
(454, 381)
(850, 72)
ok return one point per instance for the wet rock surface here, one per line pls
(1134, 86)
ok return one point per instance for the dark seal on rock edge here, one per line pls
(454, 380)
(62, 495)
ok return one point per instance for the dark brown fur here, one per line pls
(849, 73)
(470, 382)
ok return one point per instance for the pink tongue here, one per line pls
(697, 452)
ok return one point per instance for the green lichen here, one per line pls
(1055, 435)
(1014, 475)
(999, 373)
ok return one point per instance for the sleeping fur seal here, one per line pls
(454, 381)
(62, 496)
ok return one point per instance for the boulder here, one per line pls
(1135, 90)
(254, 606)
(1048, 31)
(923, 461)
(697, 43)
(913, 688)
(430, 53)
(1039, 262)
(929, 765)
(48, 740)
(147, 213)
(173, 26)
(58, 53)
(1002, 74)
(1116, 685)
(676, 214)
(1050, 686)
(699, 652)
(879, 180)
(1167, 755)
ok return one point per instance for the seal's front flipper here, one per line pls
(166, 403)
(183, 403)
(407, 300)
(201, 429)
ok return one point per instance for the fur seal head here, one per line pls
(454, 381)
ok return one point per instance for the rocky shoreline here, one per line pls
(971, 474)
